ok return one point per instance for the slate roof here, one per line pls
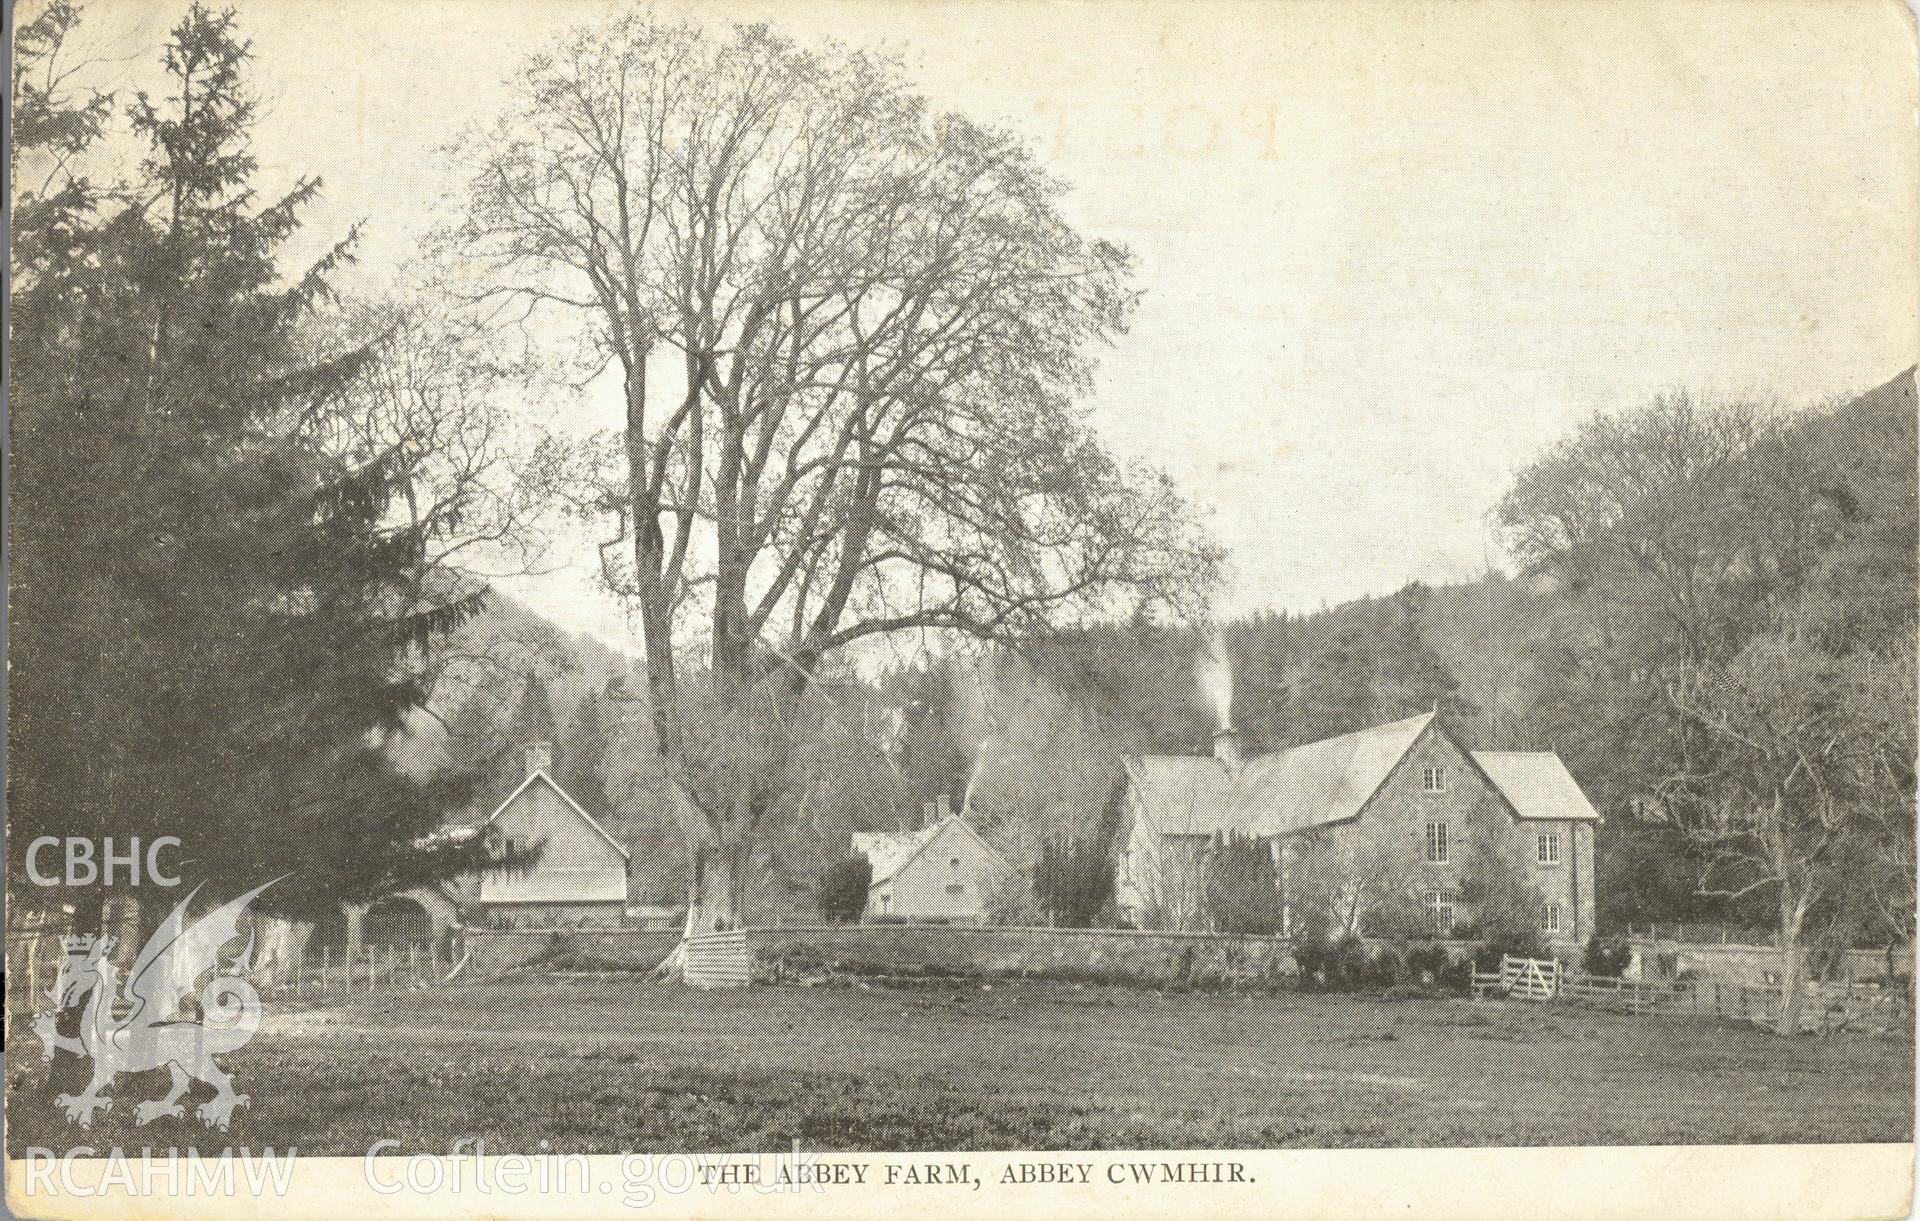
(1290, 790)
(892, 851)
(1329, 781)
(889, 851)
(564, 796)
(1536, 784)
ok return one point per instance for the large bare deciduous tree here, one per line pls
(1804, 789)
(851, 337)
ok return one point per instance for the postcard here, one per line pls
(1238, 608)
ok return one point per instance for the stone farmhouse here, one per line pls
(941, 873)
(1406, 793)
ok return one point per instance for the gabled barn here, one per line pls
(1407, 790)
(581, 876)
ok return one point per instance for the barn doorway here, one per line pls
(329, 935)
(396, 921)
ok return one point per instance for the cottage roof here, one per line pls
(892, 851)
(1322, 782)
(1536, 783)
(889, 851)
(1186, 794)
(1290, 790)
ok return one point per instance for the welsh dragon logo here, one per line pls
(140, 1029)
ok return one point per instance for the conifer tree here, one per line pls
(533, 719)
(583, 756)
(219, 629)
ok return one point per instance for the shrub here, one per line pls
(1242, 892)
(1010, 901)
(1502, 943)
(1346, 966)
(1073, 879)
(1505, 904)
(1309, 959)
(843, 889)
(1387, 968)
(1428, 962)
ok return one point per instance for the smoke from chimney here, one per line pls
(1214, 672)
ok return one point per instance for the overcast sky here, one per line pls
(1390, 251)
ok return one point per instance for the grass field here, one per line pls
(615, 1065)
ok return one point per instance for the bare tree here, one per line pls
(1805, 757)
(881, 326)
(1349, 882)
(436, 403)
(1640, 508)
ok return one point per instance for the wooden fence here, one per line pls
(31, 970)
(717, 960)
(1826, 1007)
(413, 965)
(1702, 934)
(1533, 979)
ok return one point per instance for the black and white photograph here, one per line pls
(716, 607)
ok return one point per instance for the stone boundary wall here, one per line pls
(1093, 955)
(495, 950)
(1138, 956)
(1747, 965)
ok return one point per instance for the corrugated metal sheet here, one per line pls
(717, 960)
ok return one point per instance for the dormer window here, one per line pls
(1433, 780)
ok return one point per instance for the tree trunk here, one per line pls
(69, 1073)
(279, 945)
(715, 901)
(1793, 961)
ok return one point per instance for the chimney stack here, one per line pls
(943, 808)
(539, 757)
(1226, 747)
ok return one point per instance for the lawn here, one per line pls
(615, 1064)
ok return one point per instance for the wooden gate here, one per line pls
(717, 960)
(1534, 979)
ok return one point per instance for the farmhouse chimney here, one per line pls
(1226, 747)
(539, 756)
(943, 808)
